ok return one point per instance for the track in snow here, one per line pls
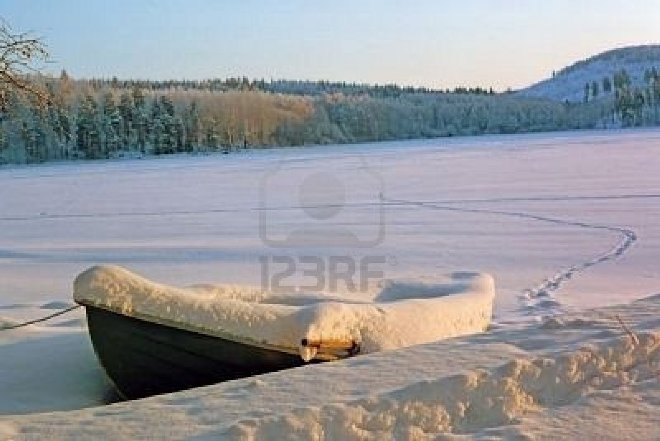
(158, 213)
(539, 298)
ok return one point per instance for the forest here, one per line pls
(110, 118)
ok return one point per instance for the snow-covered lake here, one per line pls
(560, 220)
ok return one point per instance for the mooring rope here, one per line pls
(41, 319)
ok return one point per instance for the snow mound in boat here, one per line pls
(398, 314)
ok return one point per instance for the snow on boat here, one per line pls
(152, 338)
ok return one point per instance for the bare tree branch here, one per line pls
(20, 55)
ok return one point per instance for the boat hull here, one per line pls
(143, 358)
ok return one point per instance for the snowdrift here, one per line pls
(468, 401)
(397, 314)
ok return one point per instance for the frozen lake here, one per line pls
(561, 220)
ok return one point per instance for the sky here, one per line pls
(438, 44)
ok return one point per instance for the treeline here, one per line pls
(633, 105)
(637, 106)
(92, 119)
(288, 87)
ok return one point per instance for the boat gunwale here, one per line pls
(320, 356)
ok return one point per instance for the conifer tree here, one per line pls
(88, 139)
(126, 111)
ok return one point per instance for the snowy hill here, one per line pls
(569, 83)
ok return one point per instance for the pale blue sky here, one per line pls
(500, 43)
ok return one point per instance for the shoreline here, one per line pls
(132, 156)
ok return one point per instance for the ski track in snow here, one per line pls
(535, 299)
(540, 297)
(157, 213)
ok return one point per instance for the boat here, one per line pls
(144, 358)
(152, 338)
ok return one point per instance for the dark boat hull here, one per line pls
(144, 358)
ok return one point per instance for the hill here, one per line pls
(569, 83)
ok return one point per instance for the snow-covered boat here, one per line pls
(152, 338)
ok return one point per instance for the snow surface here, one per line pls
(580, 376)
(401, 314)
(563, 222)
(49, 368)
(188, 219)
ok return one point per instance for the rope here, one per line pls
(42, 319)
